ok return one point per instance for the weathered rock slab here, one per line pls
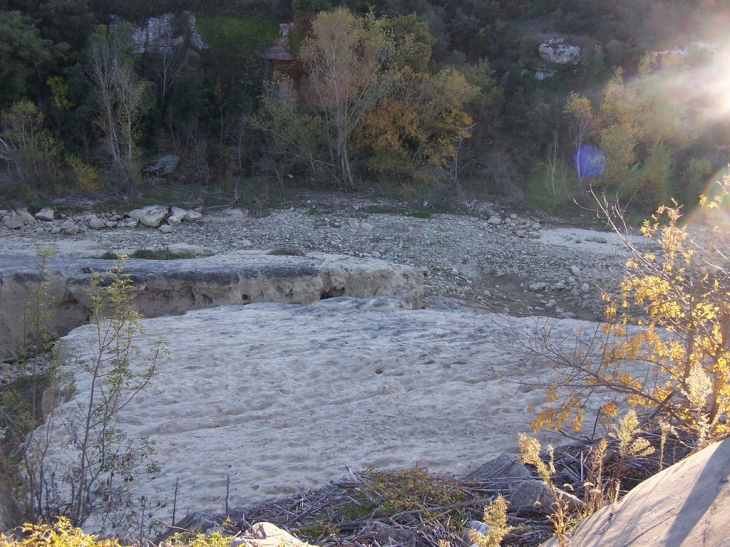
(683, 506)
(173, 287)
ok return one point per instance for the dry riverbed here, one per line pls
(524, 265)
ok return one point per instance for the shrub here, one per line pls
(665, 347)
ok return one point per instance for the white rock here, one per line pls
(537, 286)
(13, 221)
(45, 214)
(495, 220)
(151, 216)
(575, 271)
(367, 226)
(128, 223)
(165, 228)
(26, 216)
(246, 244)
(265, 534)
(556, 51)
(174, 220)
(185, 214)
(585, 287)
(95, 223)
(235, 213)
(196, 250)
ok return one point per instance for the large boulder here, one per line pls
(685, 505)
(162, 167)
(558, 52)
(151, 216)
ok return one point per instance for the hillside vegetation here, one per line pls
(410, 96)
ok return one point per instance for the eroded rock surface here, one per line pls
(277, 397)
(172, 287)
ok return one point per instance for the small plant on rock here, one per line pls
(101, 461)
(495, 517)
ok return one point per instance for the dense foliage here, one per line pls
(426, 92)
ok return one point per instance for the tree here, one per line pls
(581, 121)
(30, 151)
(101, 460)
(642, 127)
(24, 59)
(344, 56)
(118, 98)
(419, 123)
(665, 347)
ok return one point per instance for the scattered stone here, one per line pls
(165, 228)
(184, 214)
(505, 466)
(585, 287)
(236, 213)
(494, 220)
(521, 233)
(196, 250)
(26, 216)
(559, 286)
(45, 214)
(95, 223)
(575, 271)
(246, 244)
(128, 223)
(151, 216)
(265, 534)
(367, 226)
(13, 221)
(536, 287)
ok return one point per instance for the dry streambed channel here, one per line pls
(263, 397)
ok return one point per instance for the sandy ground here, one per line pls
(282, 398)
